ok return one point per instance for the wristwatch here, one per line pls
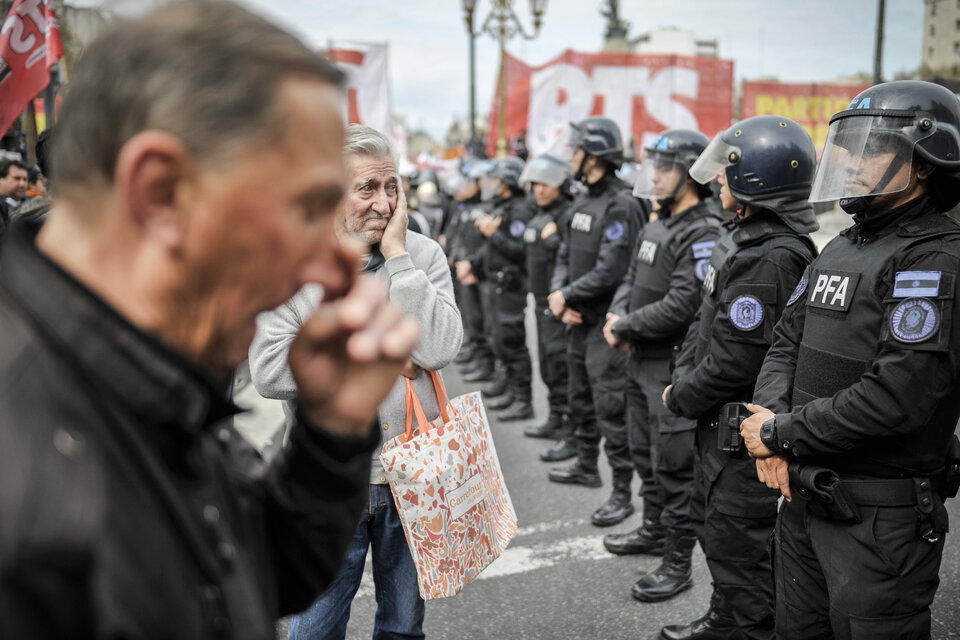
(768, 435)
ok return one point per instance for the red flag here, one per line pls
(29, 45)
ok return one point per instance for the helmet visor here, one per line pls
(544, 171)
(660, 175)
(867, 155)
(715, 158)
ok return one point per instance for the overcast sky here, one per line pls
(794, 40)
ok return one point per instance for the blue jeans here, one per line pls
(399, 606)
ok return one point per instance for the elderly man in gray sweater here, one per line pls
(415, 271)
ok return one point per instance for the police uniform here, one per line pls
(551, 333)
(753, 270)
(467, 244)
(656, 303)
(863, 376)
(590, 265)
(503, 265)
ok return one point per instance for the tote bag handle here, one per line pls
(414, 407)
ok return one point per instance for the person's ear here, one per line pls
(151, 166)
(924, 170)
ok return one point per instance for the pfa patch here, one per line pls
(614, 230)
(800, 289)
(516, 228)
(700, 268)
(530, 235)
(916, 284)
(746, 313)
(914, 320)
(648, 252)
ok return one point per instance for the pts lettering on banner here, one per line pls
(22, 38)
(563, 93)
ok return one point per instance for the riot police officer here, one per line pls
(765, 166)
(857, 400)
(503, 266)
(650, 315)
(548, 177)
(464, 245)
(590, 264)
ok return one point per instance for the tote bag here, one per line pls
(446, 481)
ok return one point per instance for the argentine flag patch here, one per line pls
(917, 284)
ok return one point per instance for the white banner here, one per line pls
(367, 99)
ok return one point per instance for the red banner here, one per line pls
(29, 45)
(643, 94)
(811, 105)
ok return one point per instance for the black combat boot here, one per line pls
(576, 474)
(648, 538)
(618, 507)
(717, 624)
(520, 409)
(674, 575)
(563, 450)
(553, 428)
(494, 388)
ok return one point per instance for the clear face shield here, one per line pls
(868, 155)
(660, 175)
(490, 188)
(544, 171)
(714, 160)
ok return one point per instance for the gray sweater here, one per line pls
(419, 283)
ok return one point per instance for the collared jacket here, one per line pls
(129, 507)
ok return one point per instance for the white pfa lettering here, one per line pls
(581, 222)
(648, 251)
(828, 284)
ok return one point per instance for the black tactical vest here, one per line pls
(586, 230)
(541, 254)
(469, 238)
(658, 253)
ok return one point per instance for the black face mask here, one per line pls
(861, 205)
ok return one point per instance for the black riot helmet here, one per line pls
(598, 137)
(766, 159)
(503, 171)
(887, 128)
(666, 163)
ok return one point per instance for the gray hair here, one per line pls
(206, 72)
(367, 141)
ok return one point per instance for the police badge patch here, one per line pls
(700, 268)
(800, 290)
(914, 320)
(614, 230)
(746, 313)
(516, 228)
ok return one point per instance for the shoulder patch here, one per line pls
(800, 289)
(703, 249)
(916, 284)
(516, 228)
(914, 320)
(614, 230)
(746, 313)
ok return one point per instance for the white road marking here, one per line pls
(520, 558)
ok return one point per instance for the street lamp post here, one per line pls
(501, 23)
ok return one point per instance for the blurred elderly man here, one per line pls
(198, 169)
(415, 271)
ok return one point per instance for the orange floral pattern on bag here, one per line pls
(449, 490)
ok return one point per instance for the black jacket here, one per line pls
(754, 268)
(660, 294)
(865, 364)
(129, 507)
(542, 252)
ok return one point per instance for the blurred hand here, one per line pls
(347, 357)
(611, 339)
(411, 370)
(488, 225)
(557, 303)
(464, 268)
(394, 240)
(571, 317)
(548, 230)
(773, 472)
(663, 398)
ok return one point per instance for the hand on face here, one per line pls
(347, 357)
(394, 240)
